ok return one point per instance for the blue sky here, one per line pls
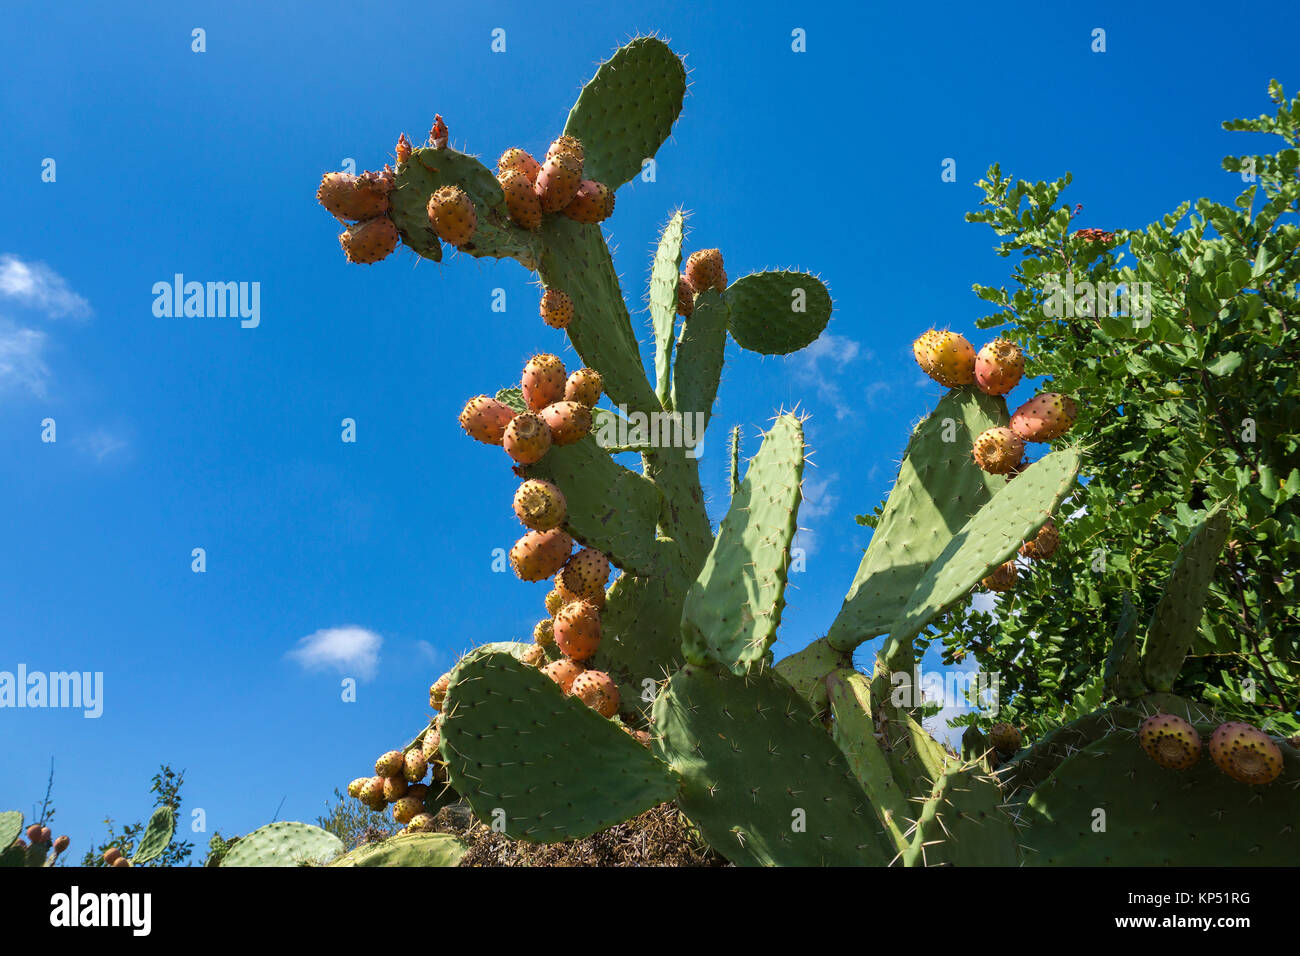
(180, 433)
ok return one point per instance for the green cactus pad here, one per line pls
(285, 843)
(937, 490)
(992, 536)
(13, 856)
(963, 823)
(1122, 672)
(1159, 817)
(537, 764)
(733, 453)
(611, 508)
(157, 835)
(855, 733)
(1177, 618)
(428, 171)
(627, 110)
(37, 854)
(700, 352)
(806, 670)
(407, 849)
(761, 778)
(776, 313)
(11, 826)
(576, 260)
(663, 302)
(1035, 763)
(734, 608)
(642, 640)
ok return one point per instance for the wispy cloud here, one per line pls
(428, 651)
(22, 359)
(101, 444)
(820, 362)
(818, 502)
(35, 285)
(351, 650)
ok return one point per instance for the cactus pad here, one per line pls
(963, 823)
(734, 608)
(761, 778)
(285, 843)
(627, 110)
(700, 350)
(937, 491)
(776, 313)
(407, 849)
(663, 300)
(157, 834)
(536, 764)
(11, 825)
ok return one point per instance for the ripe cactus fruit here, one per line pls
(1042, 545)
(405, 809)
(999, 367)
(544, 632)
(522, 204)
(592, 203)
(1044, 417)
(368, 242)
(46, 835)
(1245, 753)
(577, 630)
(520, 161)
(1004, 738)
(390, 764)
(1003, 577)
(415, 766)
(372, 794)
(704, 270)
(1170, 741)
(569, 422)
(429, 746)
(354, 198)
(485, 419)
(403, 149)
(112, 855)
(563, 672)
(540, 505)
(438, 691)
(534, 655)
(34, 833)
(554, 601)
(584, 387)
(539, 554)
(586, 574)
(452, 215)
(597, 690)
(527, 438)
(422, 823)
(567, 144)
(556, 308)
(354, 788)
(946, 357)
(998, 450)
(685, 296)
(543, 381)
(568, 596)
(558, 181)
(61, 844)
(394, 787)
(418, 790)
(121, 861)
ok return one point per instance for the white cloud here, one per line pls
(816, 365)
(428, 651)
(351, 650)
(817, 503)
(22, 359)
(102, 444)
(36, 285)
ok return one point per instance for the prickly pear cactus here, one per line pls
(662, 685)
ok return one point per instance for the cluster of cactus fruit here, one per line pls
(40, 848)
(949, 359)
(805, 760)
